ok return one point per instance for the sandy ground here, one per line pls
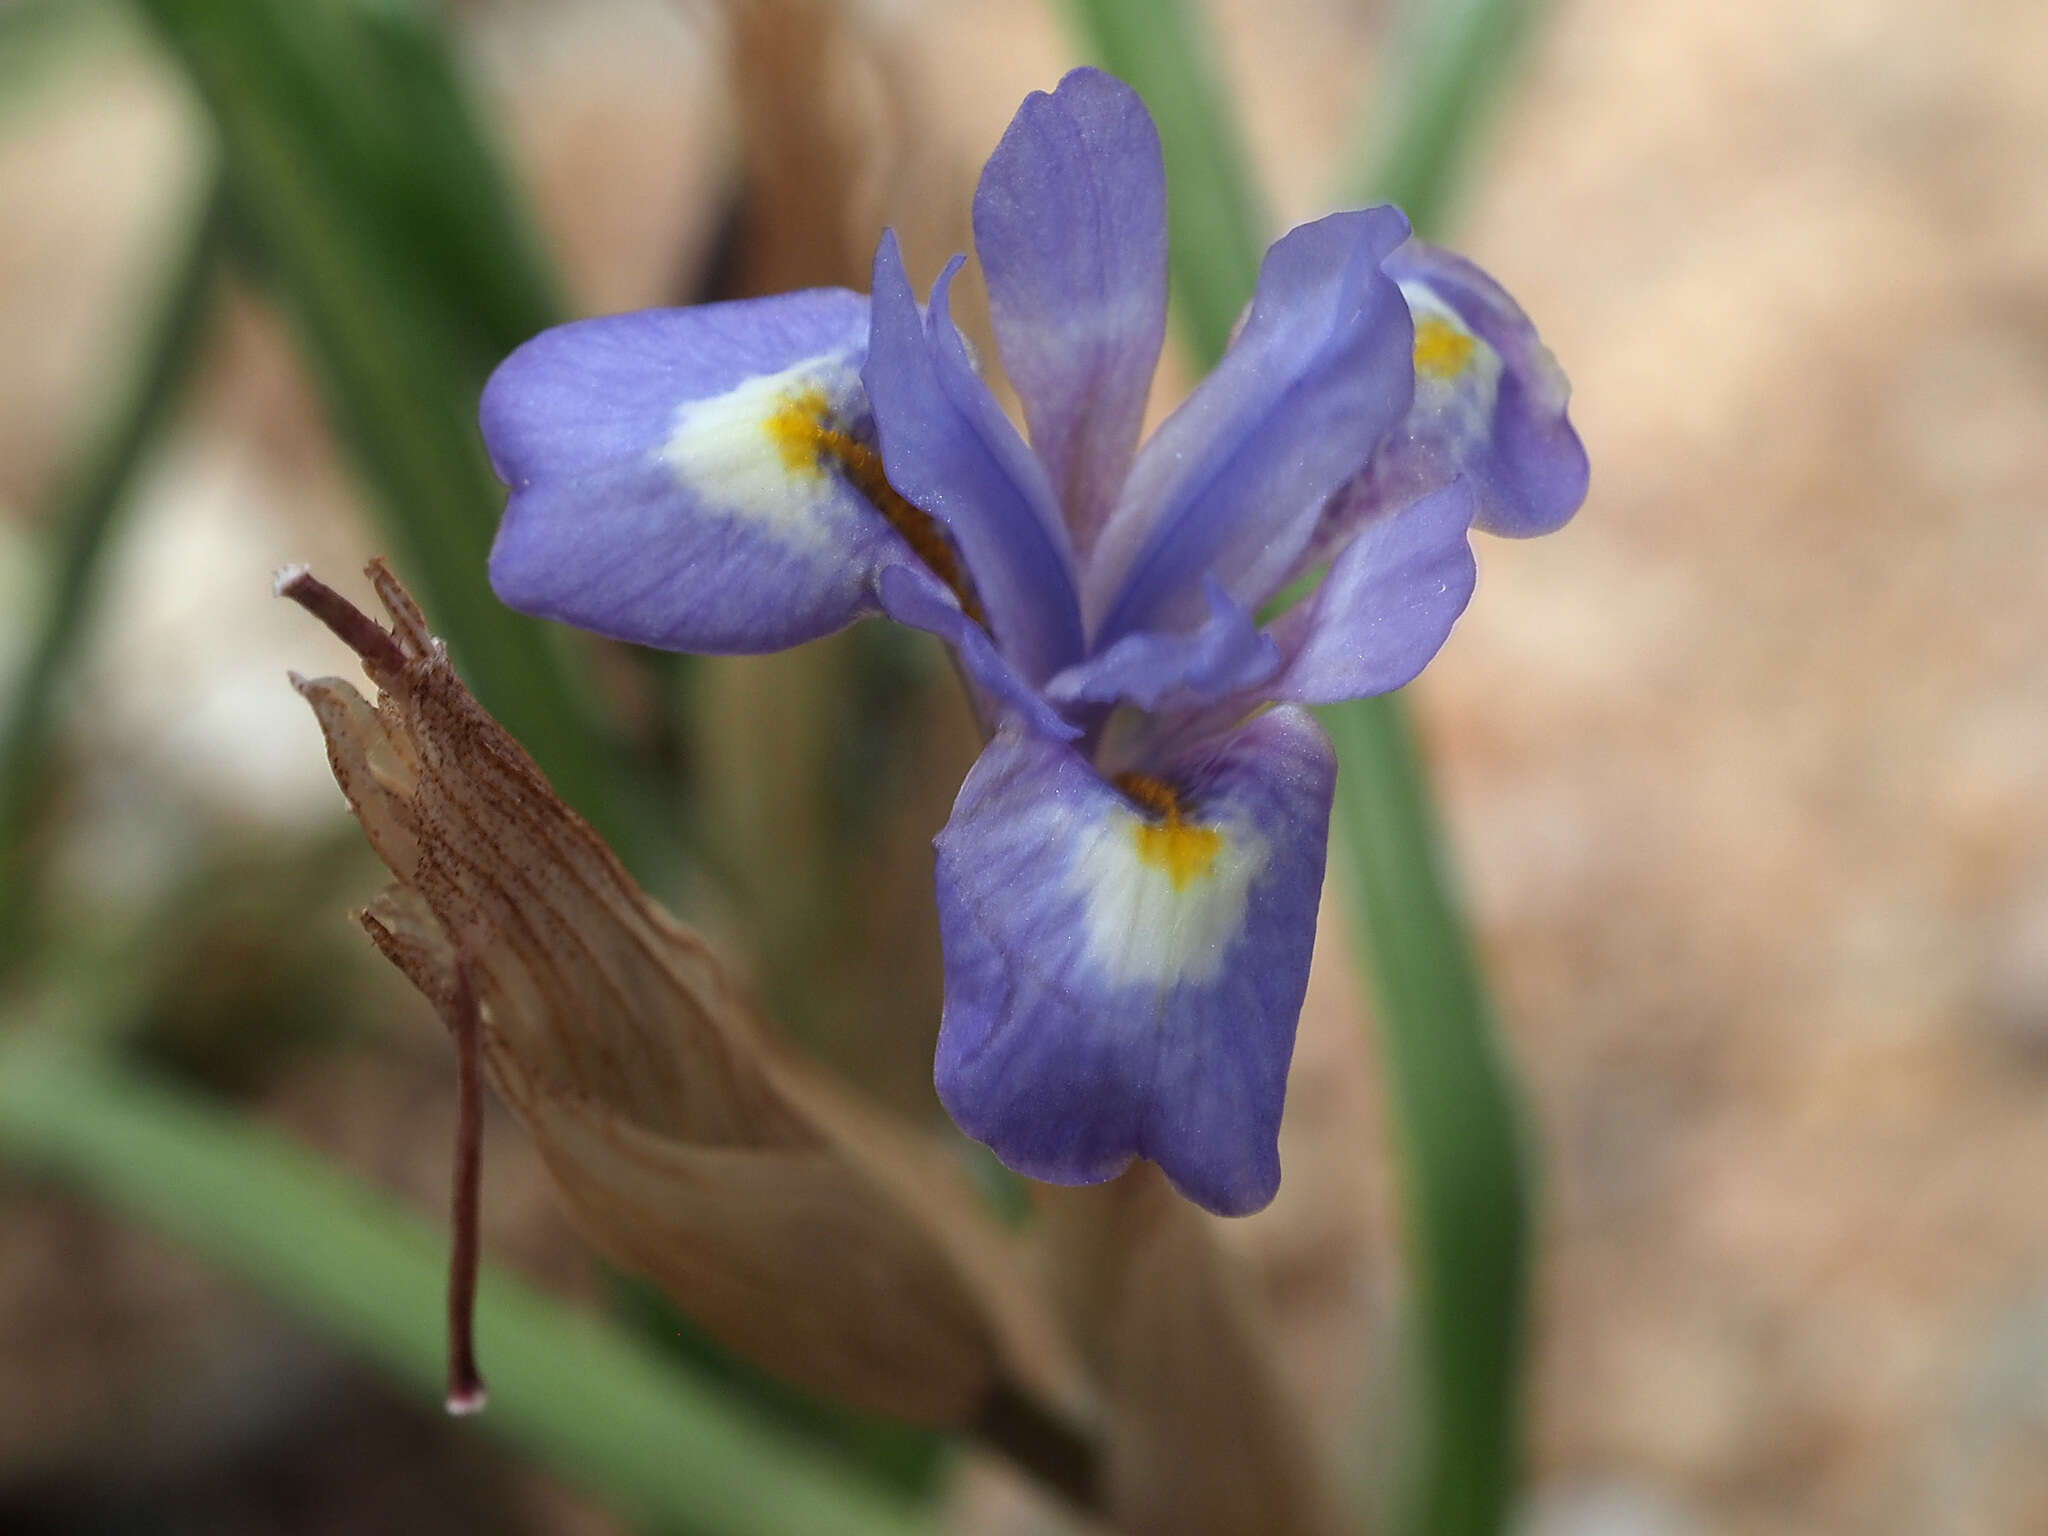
(1746, 767)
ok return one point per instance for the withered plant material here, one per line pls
(1203, 1438)
(837, 137)
(836, 142)
(818, 777)
(803, 1229)
(466, 1391)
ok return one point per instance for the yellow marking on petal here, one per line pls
(1442, 351)
(797, 429)
(1186, 853)
(804, 432)
(1166, 840)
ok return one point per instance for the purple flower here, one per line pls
(1128, 884)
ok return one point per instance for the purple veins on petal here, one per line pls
(1124, 973)
(1234, 482)
(668, 484)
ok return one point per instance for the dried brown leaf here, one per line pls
(806, 1231)
(1203, 1439)
(836, 144)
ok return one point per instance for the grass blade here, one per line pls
(600, 1407)
(1466, 1167)
(1219, 225)
(88, 506)
(1470, 1166)
(379, 214)
(1432, 103)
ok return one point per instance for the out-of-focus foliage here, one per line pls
(603, 1408)
(390, 233)
(83, 522)
(692, 1143)
(368, 201)
(1464, 1163)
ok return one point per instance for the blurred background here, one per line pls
(1747, 769)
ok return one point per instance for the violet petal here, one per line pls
(1154, 670)
(1386, 607)
(1236, 479)
(661, 492)
(1490, 403)
(1070, 226)
(1117, 987)
(912, 595)
(950, 451)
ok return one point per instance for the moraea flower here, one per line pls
(1129, 880)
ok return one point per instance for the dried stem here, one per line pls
(1046, 1446)
(384, 659)
(466, 1393)
(353, 627)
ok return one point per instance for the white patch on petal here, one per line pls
(733, 451)
(1452, 401)
(1147, 923)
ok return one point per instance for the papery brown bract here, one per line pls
(835, 137)
(836, 140)
(1202, 1437)
(804, 1230)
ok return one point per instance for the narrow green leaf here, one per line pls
(1469, 1165)
(1457, 1122)
(1433, 100)
(89, 501)
(378, 210)
(600, 1407)
(1219, 225)
(41, 41)
(1466, 1168)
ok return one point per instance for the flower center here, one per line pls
(1165, 839)
(1442, 351)
(802, 429)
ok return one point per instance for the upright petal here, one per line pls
(1236, 479)
(1070, 225)
(1490, 404)
(1386, 606)
(1125, 968)
(949, 448)
(680, 477)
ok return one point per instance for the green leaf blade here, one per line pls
(597, 1405)
(407, 272)
(1467, 1171)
